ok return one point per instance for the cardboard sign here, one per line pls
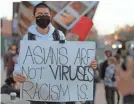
(57, 72)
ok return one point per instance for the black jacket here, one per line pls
(6, 89)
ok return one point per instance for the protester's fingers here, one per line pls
(20, 75)
(19, 78)
(94, 67)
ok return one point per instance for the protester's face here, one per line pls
(42, 17)
(41, 12)
(108, 54)
(10, 51)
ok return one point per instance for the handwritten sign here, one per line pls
(57, 72)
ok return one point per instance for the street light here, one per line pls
(120, 46)
(132, 46)
(114, 46)
(106, 43)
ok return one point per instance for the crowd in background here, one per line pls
(111, 73)
(10, 59)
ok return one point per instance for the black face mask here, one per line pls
(43, 21)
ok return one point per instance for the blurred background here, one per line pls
(113, 26)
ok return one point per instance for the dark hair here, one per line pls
(40, 5)
(119, 51)
(9, 48)
(10, 80)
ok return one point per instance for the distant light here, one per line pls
(120, 46)
(129, 29)
(132, 46)
(106, 43)
(114, 46)
(9, 18)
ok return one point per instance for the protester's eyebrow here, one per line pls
(42, 13)
(46, 13)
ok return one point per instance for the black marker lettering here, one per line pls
(38, 55)
(26, 90)
(65, 91)
(36, 91)
(83, 56)
(28, 54)
(43, 93)
(61, 51)
(55, 88)
(50, 56)
(55, 73)
(83, 89)
(64, 73)
(24, 72)
(78, 57)
(72, 76)
(32, 73)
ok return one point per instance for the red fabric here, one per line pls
(82, 28)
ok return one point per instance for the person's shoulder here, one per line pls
(108, 68)
(25, 37)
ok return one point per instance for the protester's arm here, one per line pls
(125, 80)
(18, 77)
(94, 65)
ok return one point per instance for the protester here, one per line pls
(109, 80)
(105, 63)
(9, 60)
(10, 86)
(131, 51)
(125, 81)
(42, 30)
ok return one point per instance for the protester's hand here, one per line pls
(124, 78)
(19, 78)
(93, 64)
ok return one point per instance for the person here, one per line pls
(131, 51)
(125, 81)
(9, 61)
(42, 30)
(10, 86)
(109, 80)
(105, 63)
